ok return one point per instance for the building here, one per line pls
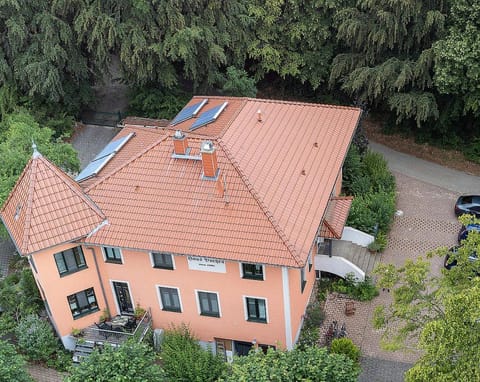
(212, 221)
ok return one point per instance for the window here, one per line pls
(310, 264)
(208, 304)
(252, 271)
(162, 260)
(256, 309)
(82, 303)
(112, 255)
(69, 261)
(170, 299)
(303, 281)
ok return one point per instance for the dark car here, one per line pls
(468, 204)
(448, 264)
(462, 235)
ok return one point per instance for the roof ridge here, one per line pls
(317, 105)
(260, 202)
(31, 189)
(118, 168)
(73, 186)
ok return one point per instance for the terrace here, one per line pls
(115, 332)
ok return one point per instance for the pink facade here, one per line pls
(279, 285)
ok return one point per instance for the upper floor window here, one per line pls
(112, 255)
(208, 302)
(83, 303)
(170, 299)
(69, 261)
(310, 262)
(162, 260)
(256, 309)
(252, 271)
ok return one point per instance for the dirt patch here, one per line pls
(448, 158)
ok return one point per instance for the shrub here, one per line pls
(35, 338)
(309, 336)
(314, 315)
(238, 84)
(185, 360)
(12, 365)
(352, 169)
(375, 167)
(347, 347)
(359, 290)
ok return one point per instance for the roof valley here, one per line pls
(260, 202)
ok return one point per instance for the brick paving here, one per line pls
(43, 374)
(427, 222)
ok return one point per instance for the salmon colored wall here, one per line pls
(299, 300)
(137, 270)
(56, 288)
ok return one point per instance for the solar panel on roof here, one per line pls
(94, 167)
(113, 146)
(188, 112)
(208, 116)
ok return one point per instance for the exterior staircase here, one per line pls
(356, 254)
(82, 350)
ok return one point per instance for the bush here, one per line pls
(375, 167)
(35, 338)
(347, 347)
(314, 315)
(185, 360)
(309, 336)
(12, 365)
(352, 169)
(369, 210)
(361, 291)
(238, 84)
(379, 244)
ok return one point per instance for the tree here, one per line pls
(38, 50)
(185, 360)
(440, 311)
(389, 57)
(457, 56)
(20, 131)
(238, 83)
(292, 38)
(12, 365)
(309, 364)
(132, 361)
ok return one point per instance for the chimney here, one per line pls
(209, 159)
(180, 143)
(259, 115)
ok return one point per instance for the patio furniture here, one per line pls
(104, 328)
(119, 322)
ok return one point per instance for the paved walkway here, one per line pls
(426, 193)
(43, 374)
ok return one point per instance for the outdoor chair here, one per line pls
(104, 326)
(131, 324)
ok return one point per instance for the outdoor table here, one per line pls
(119, 321)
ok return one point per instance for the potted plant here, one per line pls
(105, 315)
(77, 332)
(139, 312)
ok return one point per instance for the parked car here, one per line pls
(449, 264)
(462, 235)
(468, 204)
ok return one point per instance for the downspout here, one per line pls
(99, 278)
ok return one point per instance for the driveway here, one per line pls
(426, 193)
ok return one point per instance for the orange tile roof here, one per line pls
(335, 217)
(47, 208)
(279, 175)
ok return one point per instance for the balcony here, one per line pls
(118, 334)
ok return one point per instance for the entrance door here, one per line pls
(122, 293)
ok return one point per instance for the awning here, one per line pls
(335, 217)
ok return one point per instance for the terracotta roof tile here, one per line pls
(46, 208)
(335, 217)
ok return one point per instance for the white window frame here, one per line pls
(248, 278)
(153, 262)
(199, 308)
(245, 309)
(157, 288)
(108, 260)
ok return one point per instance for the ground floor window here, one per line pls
(170, 299)
(208, 304)
(256, 309)
(83, 303)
